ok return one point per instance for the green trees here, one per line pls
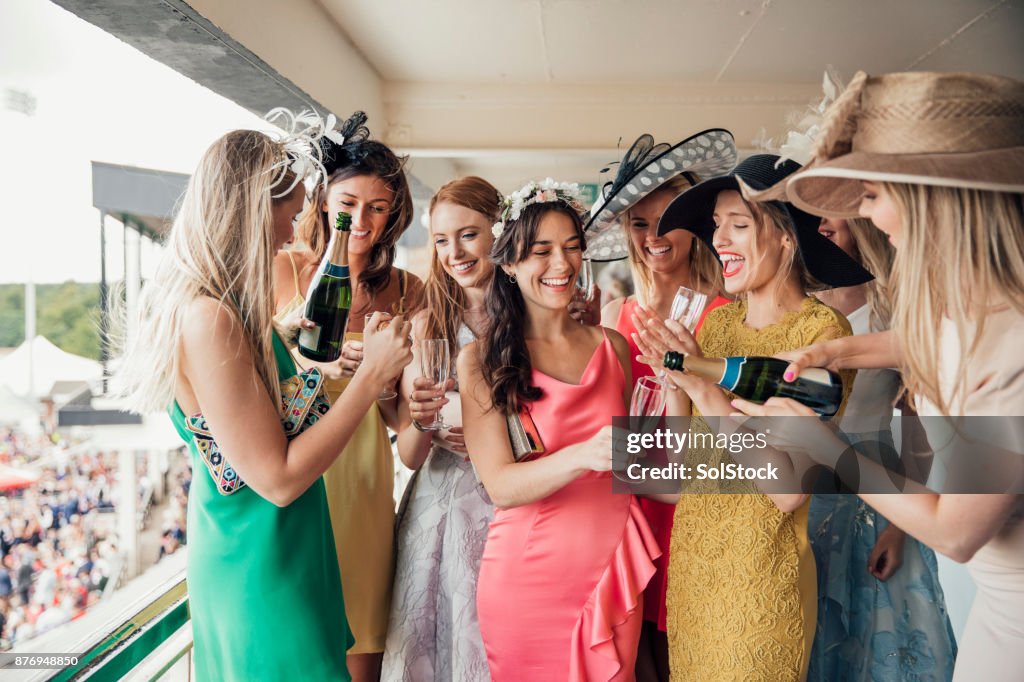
(67, 314)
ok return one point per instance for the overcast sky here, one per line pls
(96, 99)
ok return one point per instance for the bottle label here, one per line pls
(731, 375)
(310, 338)
(817, 375)
(339, 271)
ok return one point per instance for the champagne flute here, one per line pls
(585, 282)
(687, 306)
(387, 393)
(435, 364)
(645, 410)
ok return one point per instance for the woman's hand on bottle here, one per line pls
(824, 354)
(291, 323)
(384, 353)
(812, 437)
(427, 398)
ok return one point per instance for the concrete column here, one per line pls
(132, 276)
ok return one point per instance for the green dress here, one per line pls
(264, 589)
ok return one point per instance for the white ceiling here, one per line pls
(668, 41)
(512, 89)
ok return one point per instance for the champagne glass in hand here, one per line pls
(585, 283)
(687, 307)
(645, 409)
(435, 364)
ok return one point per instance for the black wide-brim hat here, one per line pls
(694, 209)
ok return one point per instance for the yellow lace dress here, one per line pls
(742, 587)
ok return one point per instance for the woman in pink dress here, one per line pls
(559, 595)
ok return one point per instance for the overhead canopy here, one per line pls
(140, 197)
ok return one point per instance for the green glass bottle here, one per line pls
(757, 378)
(329, 298)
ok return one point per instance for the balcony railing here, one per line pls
(142, 632)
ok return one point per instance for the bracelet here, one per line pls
(419, 427)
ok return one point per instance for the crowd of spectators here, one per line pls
(57, 546)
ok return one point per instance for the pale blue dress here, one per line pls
(869, 630)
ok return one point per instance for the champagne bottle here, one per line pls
(757, 378)
(329, 298)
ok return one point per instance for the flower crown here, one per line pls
(537, 193)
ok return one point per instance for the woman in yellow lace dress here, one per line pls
(742, 593)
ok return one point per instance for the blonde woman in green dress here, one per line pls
(264, 590)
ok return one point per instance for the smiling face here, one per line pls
(664, 254)
(838, 232)
(284, 212)
(752, 254)
(878, 206)
(368, 200)
(462, 241)
(547, 276)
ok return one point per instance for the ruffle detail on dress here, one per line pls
(596, 653)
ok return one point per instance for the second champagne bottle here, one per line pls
(757, 379)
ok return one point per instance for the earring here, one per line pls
(512, 278)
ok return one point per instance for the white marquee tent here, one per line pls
(49, 363)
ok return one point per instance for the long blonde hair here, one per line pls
(705, 272)
(876, 254)
(445, 299)
(978, 238)
(221, 245)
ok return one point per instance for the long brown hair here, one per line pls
(374, 159)
(445, 300)
(505, 363)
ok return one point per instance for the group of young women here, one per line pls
(521, 563)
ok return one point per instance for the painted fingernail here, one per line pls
(788, 376)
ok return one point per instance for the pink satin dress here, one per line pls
(560, 590)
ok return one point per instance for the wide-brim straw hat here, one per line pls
(646, 167)
(694, 210)
(943, 129)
